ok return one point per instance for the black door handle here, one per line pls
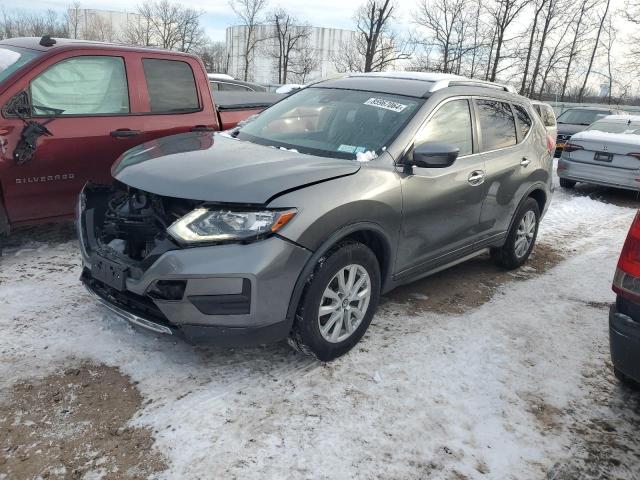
(125, 132)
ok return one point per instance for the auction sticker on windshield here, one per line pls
(386, 104)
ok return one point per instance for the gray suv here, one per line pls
(292, 225)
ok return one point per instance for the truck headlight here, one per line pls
(209, 225)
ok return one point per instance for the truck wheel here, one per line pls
(338, 303)
(521, 238)
(564, 183)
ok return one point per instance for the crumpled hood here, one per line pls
(216, 168)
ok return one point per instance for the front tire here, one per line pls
(565, 183)
(338, 303)
(521, 238)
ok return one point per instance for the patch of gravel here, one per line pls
(73, 425)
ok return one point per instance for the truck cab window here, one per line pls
(88, 85)
(171, 86)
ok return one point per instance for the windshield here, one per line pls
(581, 117)
(12, 58)
(616, 127)
(332, 122)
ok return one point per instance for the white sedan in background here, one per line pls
(606, 153)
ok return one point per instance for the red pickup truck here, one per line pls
(69, 108)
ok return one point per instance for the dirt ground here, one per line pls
(467, 285)
(74, 425)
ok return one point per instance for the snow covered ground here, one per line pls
(519, 387)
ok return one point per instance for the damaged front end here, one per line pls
(128, 225)
(123, 231)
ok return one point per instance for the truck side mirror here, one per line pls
(17, 106)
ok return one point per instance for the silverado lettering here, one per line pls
(47, 178)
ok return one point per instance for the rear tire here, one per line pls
(565, 183)
(338, 285)
(626, 380)
(521, 238)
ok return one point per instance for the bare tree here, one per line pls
(593, 52)
(632, 14)
(288, 37)
(304, 62)
(444, 25)
(139, 29)
(21, 23)
(165, 24)
(575, 43)
(74, 11)
(375, 46)
(502, 13)
(249, 12)
(99, 28)
(539, 6)
(215, 57)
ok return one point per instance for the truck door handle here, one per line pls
(476, 177)
(125, 132)
(525, 161)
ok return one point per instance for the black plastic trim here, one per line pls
(234, 304)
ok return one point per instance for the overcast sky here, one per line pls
(319, 13)
(218, 15)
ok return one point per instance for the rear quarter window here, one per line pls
(497, 125)
(171, 86)
(524, 120)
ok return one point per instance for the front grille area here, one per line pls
(138, 305)
(129, 225)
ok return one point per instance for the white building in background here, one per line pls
(102, 25)
(604, 90)
(322, 42)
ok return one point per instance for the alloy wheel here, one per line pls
(524, 234)
(344, 303)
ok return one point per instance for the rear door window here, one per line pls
(549, 117)
(524, 120)
(450, 124)
(171, 86)
(497, 125)
(88, 85)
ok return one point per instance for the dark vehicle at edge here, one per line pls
(624, 315)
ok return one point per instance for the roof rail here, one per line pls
(440, 84)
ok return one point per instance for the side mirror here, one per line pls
(18, 106)
(433, 155)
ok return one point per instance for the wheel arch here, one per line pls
(538, 193)
(368, 233)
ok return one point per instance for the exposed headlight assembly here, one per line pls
(208, 225)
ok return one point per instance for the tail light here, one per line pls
(626, 281)
(572, 147)
(551, 143)
(634, 154)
